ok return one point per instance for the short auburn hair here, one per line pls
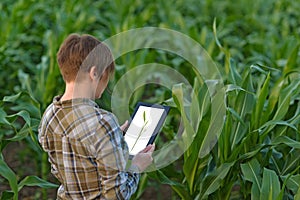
(80, 53)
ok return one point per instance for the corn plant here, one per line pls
(27, 110)
(256, 154)
(257, 50)
(143, 129)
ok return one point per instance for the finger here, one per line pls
(124, 126)
(150, 149)
(146, 149)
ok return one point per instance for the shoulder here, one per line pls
(46, 117)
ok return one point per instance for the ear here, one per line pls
(105, 74)
(93, 73)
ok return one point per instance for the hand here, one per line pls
(124, 126)
(144, 158)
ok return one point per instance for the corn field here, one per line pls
(255, 48)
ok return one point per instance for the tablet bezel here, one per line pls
(159, 124)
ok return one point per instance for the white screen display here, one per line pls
(142, 127)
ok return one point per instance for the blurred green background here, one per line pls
(255, 45)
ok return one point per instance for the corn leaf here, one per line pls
(292, 182)
(23, 114)
(297, 195)
(217, 119)
(270, 188)
(262, 96)
(292, 61)
(35, 181)
(243, 105)
(180, 189)
(251, 172)
(284, 99)
(7, 195)
(8, 174)
(3, 119)
(213, 180)
(287, 141)
(189, 133)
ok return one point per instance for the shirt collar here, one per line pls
(73, 102)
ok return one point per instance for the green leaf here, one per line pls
(8, 174)
(291, 162)
(180, 189)
(234, 75)
(217, 119)
(191, 159)
(236, 116)
(273, 98)
(21, 134)
(262, 96)
(292, 182)
(23, 114)
(272, 123)
(12, 98)
(260, 67)
(189, 132)
(224, 140)
(232, 87)
(293, 121)
(292, 61)
(24, 102)
(3, 115)
(196, 112)
(287, 141)
(251, 172)
(270, 188)
(213, 180)
(7, 195)
(297, 195)
(190, 167)
(249, 154)
(284, 99)
(244, 104)
(35, 181)
(144, 116)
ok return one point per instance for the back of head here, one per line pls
(80, 53)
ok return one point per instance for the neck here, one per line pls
(78, 90)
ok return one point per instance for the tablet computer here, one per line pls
(145, 124)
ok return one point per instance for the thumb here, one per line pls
(152, 148)
(148, 148)
(124, 126)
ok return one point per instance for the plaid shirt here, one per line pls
(87, 152)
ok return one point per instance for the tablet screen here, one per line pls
(144, 126)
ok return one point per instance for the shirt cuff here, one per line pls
(134, 169)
